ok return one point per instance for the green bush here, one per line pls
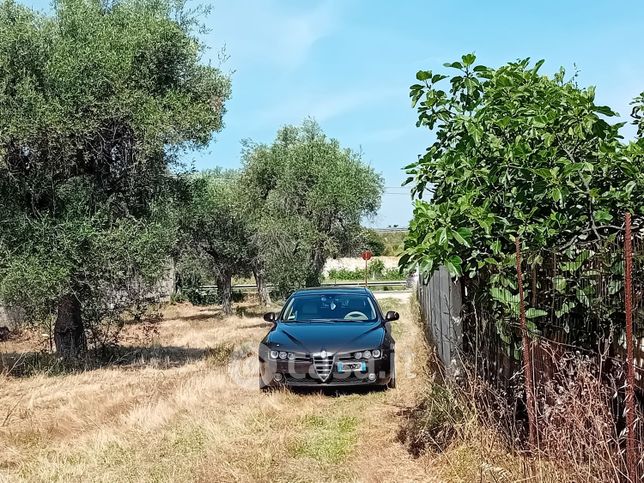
(376, 271)
(374, 242)
(394, 243)
(198, 296)
(376, 268)
(392, 274)
(202, 297)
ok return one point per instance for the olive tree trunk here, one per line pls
(225, 289)
(177, 281)
(262, 290)
(69, 332)
(318, 259)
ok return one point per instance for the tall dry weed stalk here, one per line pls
(580, 416)
(580, 420)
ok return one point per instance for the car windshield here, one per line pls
(332, 307)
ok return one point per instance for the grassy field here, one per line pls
(186, 407)
(183, 405)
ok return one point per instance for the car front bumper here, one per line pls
(304, 374)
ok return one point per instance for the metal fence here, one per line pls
(556, 303)
(377, 284)
(440, 304)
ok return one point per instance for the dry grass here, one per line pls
(468, 432)
(446, 430)
(183, 405)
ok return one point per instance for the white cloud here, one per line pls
(257, 31)
(326, 105)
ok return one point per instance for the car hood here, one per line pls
(332, 337)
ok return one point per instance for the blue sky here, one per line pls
(349, 63)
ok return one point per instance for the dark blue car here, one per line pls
(328, 337)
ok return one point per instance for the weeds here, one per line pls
(579, 418)
(435, 421)
(580, 414)
(220, 354)
(326, 439)
(478, 432)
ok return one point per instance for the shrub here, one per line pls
(392, 274)
(434, 422)
(373, 242)
(202, 297)
(376, 270)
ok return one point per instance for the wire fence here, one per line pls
(525, 328)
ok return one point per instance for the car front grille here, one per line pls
(323, 367)
(310, 381)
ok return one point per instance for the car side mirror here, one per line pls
(391, 316)
(270, 317)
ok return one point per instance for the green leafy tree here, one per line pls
(516, 153)
(217, 238)
(307, 195)
(96, 100)
(638, 115)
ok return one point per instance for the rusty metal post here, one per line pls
(527, 360)
(631, 460)
(366, 273)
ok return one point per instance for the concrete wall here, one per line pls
(13, 317)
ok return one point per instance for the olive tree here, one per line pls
(216, 238)
(307, 196)
(96, 100)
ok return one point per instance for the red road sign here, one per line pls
(366, 255)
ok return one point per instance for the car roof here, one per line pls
(333, 289)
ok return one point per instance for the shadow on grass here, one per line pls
(14, 364)
(251, 311)
(265, 325)
(214, 312)
(214, 315)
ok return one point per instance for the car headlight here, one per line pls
(368, 354)
(283, 355)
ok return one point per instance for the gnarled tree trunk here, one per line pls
(318, 259)
(225, 289)
(177, 280)
(262, 290)
(69, 332)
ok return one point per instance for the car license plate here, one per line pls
(351, 366)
